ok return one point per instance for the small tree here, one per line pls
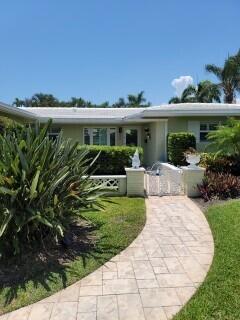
(226, 139)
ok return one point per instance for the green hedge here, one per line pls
(112, 160)
(178, 143)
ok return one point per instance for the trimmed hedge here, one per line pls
(178, 143)
(112, 159)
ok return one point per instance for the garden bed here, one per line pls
(41, 274)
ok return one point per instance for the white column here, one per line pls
(135, 181)
(192, 177)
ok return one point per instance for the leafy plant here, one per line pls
(44, 184)
(220, 163)
(111, 159)
(226, 139)
(178, 143)
(219, 186)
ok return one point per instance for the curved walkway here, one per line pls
(150, 280)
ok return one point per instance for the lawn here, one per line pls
(118, 224)
(219, 296)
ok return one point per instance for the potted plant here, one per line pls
(192, 157)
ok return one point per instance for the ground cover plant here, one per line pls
(104, 234)
(218, 296)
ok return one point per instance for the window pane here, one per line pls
(100, 136)
(203, 136)
(131, 137)
(203, 126)
(212, 126)
(86, 136)
(112, 137)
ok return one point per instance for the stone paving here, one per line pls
(150, 280)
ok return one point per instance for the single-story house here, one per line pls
(145, 127)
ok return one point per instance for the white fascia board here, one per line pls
(16, 111)
(184, 113)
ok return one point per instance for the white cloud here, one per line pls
(181, 83)
(238, 100)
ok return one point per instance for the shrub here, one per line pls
(220, 164)
(219, 186)
(111, 159)
(43, 185)
(178, 143)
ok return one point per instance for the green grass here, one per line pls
(219, 296)
(118, 225)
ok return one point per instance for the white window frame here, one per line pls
(138, 134)
(108, 134)
(207, 123)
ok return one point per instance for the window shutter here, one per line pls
(194, 127)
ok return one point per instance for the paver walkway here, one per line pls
(150, 280)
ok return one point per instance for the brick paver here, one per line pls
(151, 279)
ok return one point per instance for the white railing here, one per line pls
(117, 184)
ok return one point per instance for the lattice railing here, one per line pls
(115, 183)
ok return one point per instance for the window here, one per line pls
(100, 136)
(54, 133)
(205, 128)
(131, 137)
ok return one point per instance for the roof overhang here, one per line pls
(15, 113)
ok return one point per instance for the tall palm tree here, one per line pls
(205, 92)
(136, 101)
(229, 76)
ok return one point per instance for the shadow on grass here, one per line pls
(53, 265)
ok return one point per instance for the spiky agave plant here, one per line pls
(44, 184)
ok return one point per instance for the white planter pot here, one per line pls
(193, 160)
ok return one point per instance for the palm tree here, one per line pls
(136, 101)
(19, 103)
(229, 76)
(205, 92)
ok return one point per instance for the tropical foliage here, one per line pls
(205, 92)
(219, 186)
(228, 76)
(48, 100)
(226, 139)
(44, 184)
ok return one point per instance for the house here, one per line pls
(145, 127)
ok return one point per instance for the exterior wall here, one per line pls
(192, 124)
(155, 148)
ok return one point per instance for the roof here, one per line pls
(84, 114)
(122, 115)
(6, 109)
(193, 109)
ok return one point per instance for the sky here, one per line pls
(103, 50)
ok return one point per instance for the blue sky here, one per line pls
(101, 50)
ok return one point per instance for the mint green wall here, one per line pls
(181, 124)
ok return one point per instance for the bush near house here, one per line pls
(111, 159)
(219, 186)
(43, 184)
(178, 143)
(220, 163)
